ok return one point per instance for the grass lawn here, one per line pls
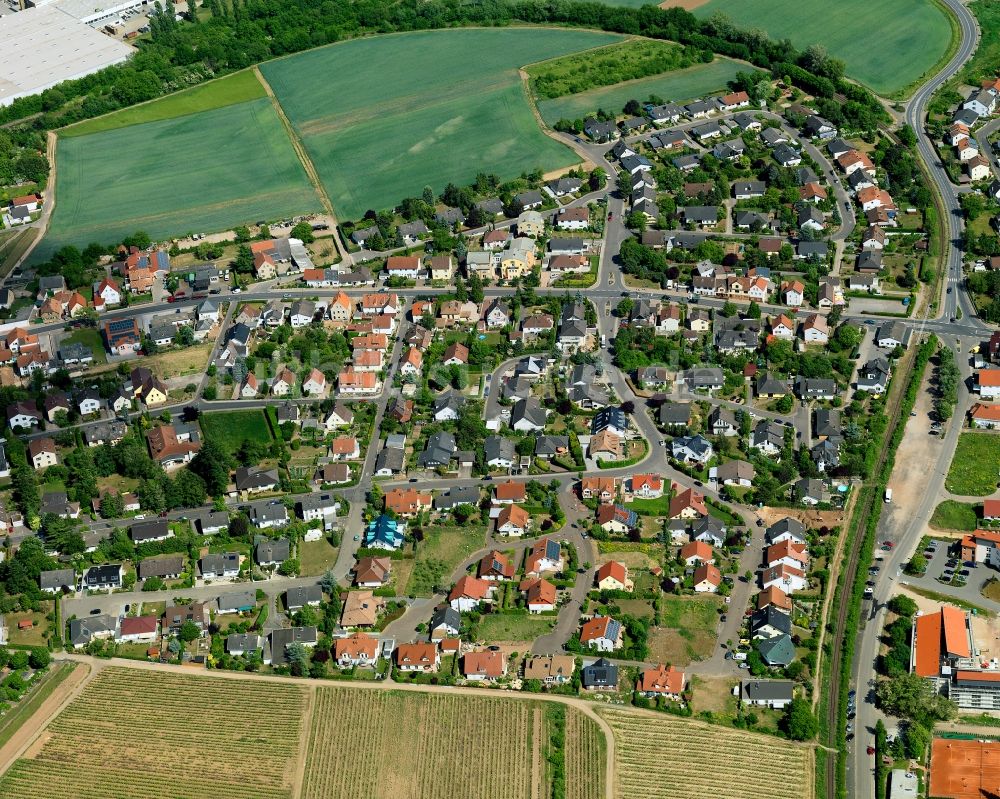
(315, 557)
(687, 629)
(197, 173)
(975, 465)
(232, 428)
(651, 507)
(12, 720)
(185, 361)
(91, 337)
(987, 55)
(681, 84)
(951, 515)
(886, 45)
(690, 612)
(153, 608)
(513, 627)
(230, 90)
(35, 635)
(992, 590)
(426, 112)
(713, 695)
(442, 549)
(729, 519)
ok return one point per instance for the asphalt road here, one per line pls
(906, 528)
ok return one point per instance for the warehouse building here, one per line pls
(45, 46)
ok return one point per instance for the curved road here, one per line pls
(860, 764)
(916, 114)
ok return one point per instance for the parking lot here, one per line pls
(946, 574)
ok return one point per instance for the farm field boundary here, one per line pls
(238, 166)
(427, 114)
(208, 725)
(14, 724)
(239, 87)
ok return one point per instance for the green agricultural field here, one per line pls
(201, 172)
(974, 466)
(683, 84)
(232, 428)
(886, 45)
(434, 107)
(239, 87)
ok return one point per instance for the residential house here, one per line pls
(545, 556)
(662, 681)
(688, 504)
(468, 592)
(601, 675)
(417, 657)
(361, 609)
(602, 633)
(613, 576)
(706, 579)
(616, 519)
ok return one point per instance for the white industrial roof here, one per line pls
(91, 10)
(45, 46)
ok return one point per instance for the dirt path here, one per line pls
(34, 726)
(304, 733)
(836, 561)
(587, 164)
(587, 708)
(307, 164)
(48, 205)
(536, 754)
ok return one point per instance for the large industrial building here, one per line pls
(93, 12)
(45, 46)
(944, 651)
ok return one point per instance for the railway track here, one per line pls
(862, 512)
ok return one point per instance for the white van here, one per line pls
(888, 495)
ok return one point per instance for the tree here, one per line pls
(903, 606)
(39, 658)
(243, 263)
(298, 658)
(212, 464)
(912, 697)
(799, 721)
(189, 632)
(753, 311)
(289, 568)
(112, 505)
(917, 564)
(728, 309)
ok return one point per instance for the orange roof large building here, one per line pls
(937, 638)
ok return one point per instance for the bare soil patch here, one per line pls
(687, 5)
(808, 516)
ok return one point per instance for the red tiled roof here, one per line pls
(614, 570)
(927, 645)
(956, 641)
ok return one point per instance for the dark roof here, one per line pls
(599, 674)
